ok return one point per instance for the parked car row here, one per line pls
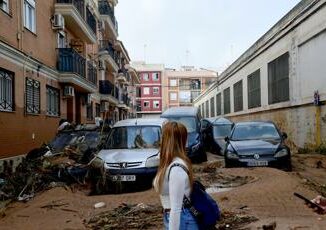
(131, 151)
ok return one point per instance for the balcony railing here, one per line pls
(91, 21)
(92, 73)
(80, 6)
(108, 46)
(105, 9)
(106, 87)
(71, 61)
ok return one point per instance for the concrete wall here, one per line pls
(304, 38)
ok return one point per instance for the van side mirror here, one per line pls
(227, 139)
(284, 135)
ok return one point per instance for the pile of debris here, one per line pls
(128, 216)
(67, 158)
(142, 216)
(231, 220)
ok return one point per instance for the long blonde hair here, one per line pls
(173, 144)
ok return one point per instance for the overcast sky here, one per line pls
(205, 33)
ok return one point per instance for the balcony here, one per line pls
(107, 15)
(124, 101)
(108, 54)
(72, 68)
(107, 92)
(80, 23)
(91, 73)
(123, 77)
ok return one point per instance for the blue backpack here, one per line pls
(202, 206)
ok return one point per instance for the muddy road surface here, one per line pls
(249, 198)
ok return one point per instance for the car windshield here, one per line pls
(254, 132)
(61, 141)
(189, 122)
(221, 131)
(134, 137)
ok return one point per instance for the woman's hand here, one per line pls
(321, 201)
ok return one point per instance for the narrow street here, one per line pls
(256, 197)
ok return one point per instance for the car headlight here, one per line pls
(153, 161)
(232, 155)
(195, 147)
(97, 162)
(281, 153)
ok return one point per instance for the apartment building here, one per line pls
(182, 86)
(281, 78)
(59, 59)
(149, 91)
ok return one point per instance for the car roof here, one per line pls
(219, 121)
(141, 122)
(254, 123)
(177, 111)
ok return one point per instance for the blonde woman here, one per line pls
(173, 183)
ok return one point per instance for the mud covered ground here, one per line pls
(249, 198)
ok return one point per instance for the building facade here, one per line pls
(59, 59)
(280, 78)
(149, 91)
(182, 86)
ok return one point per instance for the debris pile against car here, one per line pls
(65, 159)
(128, 216)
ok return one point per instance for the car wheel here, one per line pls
(288, 167)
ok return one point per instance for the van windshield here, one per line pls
(134, 137)
(189, 122)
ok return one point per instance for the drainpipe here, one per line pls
(318, 136)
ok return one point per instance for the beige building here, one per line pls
(59, 59)
(181, 87)
(280, 78)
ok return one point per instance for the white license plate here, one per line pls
(123, 178)
(257, 163)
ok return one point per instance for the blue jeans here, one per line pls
(187, 220)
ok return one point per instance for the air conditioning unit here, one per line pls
(89, 99)
(101, 65)
(68, 91)
(58, 22)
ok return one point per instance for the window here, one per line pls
(97, 110)
(4, 5)
(237, 96)
(195, 84)
(33, 96)
(173, 96)
(173, 82)
(146, 104)
(155, 76)
(29, 15)
(218, 104)
(146, 90)
(184, 84)
(212, 107)
(145, 77)
(194, 94)
(156, 90)
(6, 90)
(89, 111)
(61, 40)
(226, 96)
(254, 90)
(138, 92)
(278, 79)
(207, 109)
(52, 101)
(156, 104)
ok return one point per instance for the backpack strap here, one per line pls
(177, 165)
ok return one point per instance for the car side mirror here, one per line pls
(284, 135)
(227, 139)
